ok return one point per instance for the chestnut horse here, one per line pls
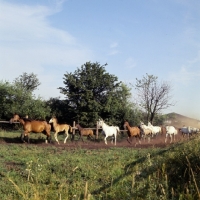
(34, 126)
(60, 128)
(85, 132)
(132, 132)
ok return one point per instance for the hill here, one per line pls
(178, 120)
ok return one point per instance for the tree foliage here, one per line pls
(91, 93)
(17, 98)
(153, 96)
(27, 82)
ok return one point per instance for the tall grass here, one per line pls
(33, 172)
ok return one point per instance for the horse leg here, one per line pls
(166, 138)
(81, 138)
(22, 137)
(48, 139)
(105, 140)
(149, 138)
(66, 132)
(115, 138)
(139, 137)
(28, 137)
(91, 137)
(128, 139)
(171, 138)
(56, 138)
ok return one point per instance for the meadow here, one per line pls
(52, 172)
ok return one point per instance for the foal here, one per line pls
(85, 132)
(60, 128)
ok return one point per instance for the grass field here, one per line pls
(38, 172)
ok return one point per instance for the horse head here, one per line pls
(53, 119)
(14, 119)
(125, 124)
(100, 122)
(149, 124)
(141, 123)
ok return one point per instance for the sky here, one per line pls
(53, 37)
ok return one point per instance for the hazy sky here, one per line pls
(134, 37)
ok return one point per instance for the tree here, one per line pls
(17, 98)
(27, 82)
(91, 93)
(59, 108)
(126, 109)
(153, 96)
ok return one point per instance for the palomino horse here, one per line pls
(146, 131)
(132, 132)
(85, 132)
(60, 128)
(34, 126)
(109, 130)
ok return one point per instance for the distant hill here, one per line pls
(178, 120)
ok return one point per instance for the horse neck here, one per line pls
(22, 121)
(128, 126)
(104, 125)
(55, 123)
(79, 127)
(145, 127)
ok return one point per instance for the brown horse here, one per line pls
(132, 132)
(14, 119)
(60, 128)
(34, 126)
(85, 132)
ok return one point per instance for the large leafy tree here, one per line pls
(91, 93)
(153, 96)
(18, 97)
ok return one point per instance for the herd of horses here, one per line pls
(138, 132)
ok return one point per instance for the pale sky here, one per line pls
(52, 37)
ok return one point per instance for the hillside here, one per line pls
(178, 120)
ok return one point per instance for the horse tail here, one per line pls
(71, 130)
(117, 128)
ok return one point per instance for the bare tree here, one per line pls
(153, 96)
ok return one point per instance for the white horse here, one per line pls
(109, 130)
(171, 131)
(155, 129)
(147, 131)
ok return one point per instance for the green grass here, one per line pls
(33, 172)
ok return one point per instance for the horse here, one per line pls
(163, 130)
(60, 128)
(109, 130)
(85, 132)
(186, 131)
(155, 129)
(147, 132)
(15, 118)
(132, 132)
(171, 131)
(34, 126)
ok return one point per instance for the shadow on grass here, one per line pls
(17, 140)
(129, 170)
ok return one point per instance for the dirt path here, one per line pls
(158, 141)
